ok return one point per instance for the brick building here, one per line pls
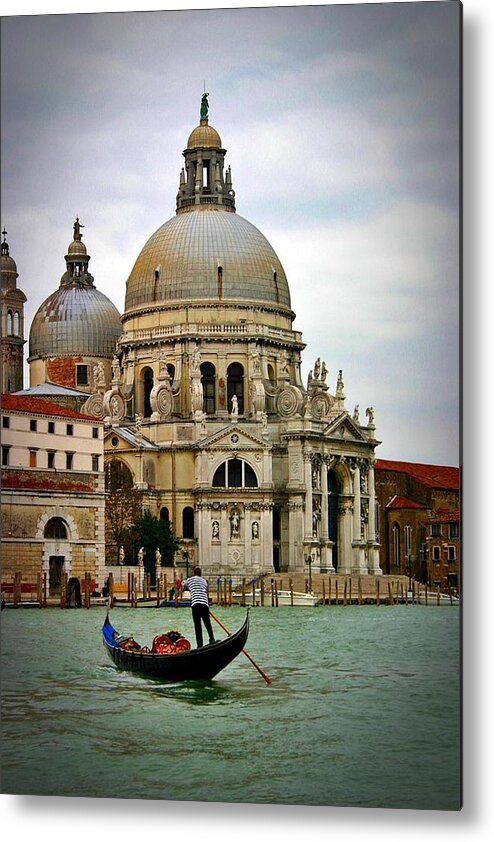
(52, 492)
(418, 518)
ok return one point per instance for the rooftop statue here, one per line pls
(204, 106)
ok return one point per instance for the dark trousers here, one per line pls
(201, 613)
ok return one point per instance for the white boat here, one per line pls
(444, 598)
(282, 598)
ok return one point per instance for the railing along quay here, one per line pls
(225, 590)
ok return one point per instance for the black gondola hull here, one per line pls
(200, 664)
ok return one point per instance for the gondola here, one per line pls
(190, 665)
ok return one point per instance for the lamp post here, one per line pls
(185, 555)
(308, 560)
(409, 571)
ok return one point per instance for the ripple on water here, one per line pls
(363, 710)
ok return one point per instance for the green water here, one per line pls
(363, 711)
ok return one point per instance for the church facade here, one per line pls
(257, 470)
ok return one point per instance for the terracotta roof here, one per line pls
(435, 476)
(38, 406)
(398, 502)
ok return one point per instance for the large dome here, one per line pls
(180, 261)
(75, 320)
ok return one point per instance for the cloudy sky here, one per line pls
(341, 124)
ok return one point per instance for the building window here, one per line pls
(69, 461)
(56, 529)
(95, 462)
(17, 321)
(234, 473)
(6, 422)
(9, 322)
(51, 458)
(453, 530)
(408, 540)
(164, 514)
(70, 429)
(436, 554)
(436, 530)
(5, 456)
(33, 425)
(51, 426)
(451, 553)
(208, 379)
(235, 386)
(95, 432)
(32, 458)
(396, 545)
(148, 383)
(81, 375)
(188, 522)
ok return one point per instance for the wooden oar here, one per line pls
(258, 668)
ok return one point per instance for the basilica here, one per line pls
(199, 390)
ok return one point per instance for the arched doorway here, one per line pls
(56, 536)
(333, 514)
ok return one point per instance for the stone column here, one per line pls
(308, 496)
(373, 547)
(357, 529)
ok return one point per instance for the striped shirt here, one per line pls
(198, 588)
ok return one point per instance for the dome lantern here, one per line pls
(202, 181)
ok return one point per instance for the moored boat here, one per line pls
(185, 664)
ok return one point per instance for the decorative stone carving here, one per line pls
(161, 401)
(288, 402)
(94, 406)
(113, 407)
(320, 406)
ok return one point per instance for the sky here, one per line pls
(341, 124)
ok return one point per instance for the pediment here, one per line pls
(344, 428)
(234, 437)
(122, 438)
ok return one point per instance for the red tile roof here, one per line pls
(398, 502)
(435, 476)
(40, 406)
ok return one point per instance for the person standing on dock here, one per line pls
(199, 598)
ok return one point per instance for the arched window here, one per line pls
(171, 371)
(408, 540)
(56, 529)
(148, 382)
(164, 513)
(188, 522)
(208, 379)
(396, 545)
(235, 386)
(235, 473)
(16, 324)
(9, 322)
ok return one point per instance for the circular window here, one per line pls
(114, 441)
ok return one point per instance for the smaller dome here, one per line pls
(205, 137)
(77, 247)
(8, 264)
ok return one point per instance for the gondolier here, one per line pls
(199, 598)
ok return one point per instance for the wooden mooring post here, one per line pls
(291, 591)
(378, 600)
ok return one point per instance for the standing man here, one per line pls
(199, 598)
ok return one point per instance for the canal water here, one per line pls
(363, 709)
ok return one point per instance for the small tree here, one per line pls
(123, 506)
(151, 533)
